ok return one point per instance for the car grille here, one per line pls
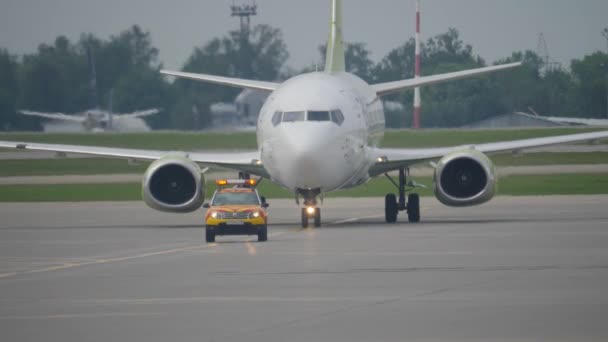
(235, 216)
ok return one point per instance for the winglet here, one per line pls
(334, 60)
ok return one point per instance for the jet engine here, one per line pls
(465, 178)
(174, 184)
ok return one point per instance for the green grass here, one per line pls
(440, 138)
(70, 192)
(550, 158)
(171, 141)
(207, 140)
(68, 166)
(92, 166)
(569, 184)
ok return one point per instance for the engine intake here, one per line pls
(173, 184)
(465, 178)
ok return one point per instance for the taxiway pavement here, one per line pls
(516, 269)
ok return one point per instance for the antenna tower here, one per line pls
(543, 52)
(417, 68)
(244, 12)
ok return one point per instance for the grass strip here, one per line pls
(68, 166)
(441, 138)
(95, 166)
(187, 141)
(171, 141)
(566, 184)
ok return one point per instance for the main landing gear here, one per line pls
(310, 211)
(392, 207)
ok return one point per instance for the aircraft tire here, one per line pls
(413, 208)
(390, 208)
(317, 217)
(304, 218)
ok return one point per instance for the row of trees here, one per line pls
(59, 78)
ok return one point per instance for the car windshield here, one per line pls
(235, 198)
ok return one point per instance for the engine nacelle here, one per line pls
(174, 184)
(465, 178)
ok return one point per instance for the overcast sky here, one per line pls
(495, 28)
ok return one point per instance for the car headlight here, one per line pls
(214, 214)
(256, 214)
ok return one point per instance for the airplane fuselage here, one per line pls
(315, 130)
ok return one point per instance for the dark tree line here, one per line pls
(58, 77)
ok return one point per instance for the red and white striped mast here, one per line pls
(417, 101)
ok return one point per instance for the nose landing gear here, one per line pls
(392, 207)
(310, 211)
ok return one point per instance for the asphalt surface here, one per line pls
(516, 269)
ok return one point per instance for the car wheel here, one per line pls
(263, 233)
(209, 235)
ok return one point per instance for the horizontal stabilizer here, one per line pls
(388, 88)
(137, 114)
(228, 81)
(54, 116)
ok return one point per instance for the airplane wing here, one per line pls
(241, 161)
(137, 114)
(54, 116)
(392, 159)
(228, 81)
(388, 88)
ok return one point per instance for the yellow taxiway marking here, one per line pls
(251, 248)
(89, 262)
(355, 219)
(6, 275)
(82, 315)
(214, 299)
(106, 261)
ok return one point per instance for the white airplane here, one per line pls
(93, 119)
(320, 132)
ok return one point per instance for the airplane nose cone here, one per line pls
(307, 156)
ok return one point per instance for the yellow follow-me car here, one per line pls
(236, 208)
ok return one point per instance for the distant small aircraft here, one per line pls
(93, 119)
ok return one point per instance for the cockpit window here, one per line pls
(337, 116)
(276, 118)
(294, 116)
(317, 116)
